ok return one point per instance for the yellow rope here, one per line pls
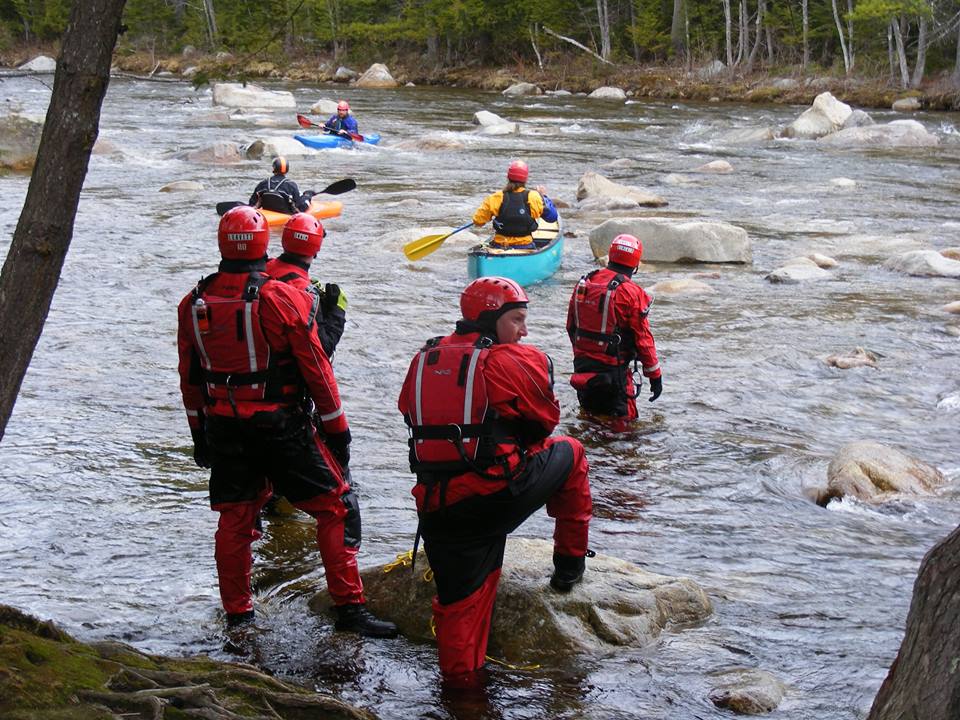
(406, 560)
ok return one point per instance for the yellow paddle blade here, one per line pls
(421, 247)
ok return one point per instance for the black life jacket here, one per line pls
(275, 197)
(237, 363)
(513, 218)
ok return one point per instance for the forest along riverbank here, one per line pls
(717, 483)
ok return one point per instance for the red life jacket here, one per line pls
(597, 335)
(452, 428)
(237, 362)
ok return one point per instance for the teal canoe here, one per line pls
(526, 267)
(333, 141)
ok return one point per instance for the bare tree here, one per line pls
(603, 19)
(677, 33)
(901, 51)
(758, 34)
(923, 682)
(919, 65)
(32, 269)
(805, 8)
(847, 63)
(210, 16)
(728, 31)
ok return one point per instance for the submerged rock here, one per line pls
(797, 270)
(681, 286)
(858, 358)
(522, 88)
(238, 95)
(617, 605)
(748, 691)
(670, 240)
(182, 186)
(924, 263)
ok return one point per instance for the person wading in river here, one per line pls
(480, 407)
(247, 357)
(607, 325)
(514, 210)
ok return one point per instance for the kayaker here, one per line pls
(246, 361)
(481, 408)
(301, 240)
(343, 123)
(608, 327)
(279, 193)
(514, 210)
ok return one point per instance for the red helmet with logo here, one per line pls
(485, 299)
(243, 234)
(518, 171)
(343, 105)
(281, 166)
(625, 250)
(303, 235)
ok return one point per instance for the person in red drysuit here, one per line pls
(247, 362)
(481, 408)
(607, 324)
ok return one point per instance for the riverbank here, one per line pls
(790, 85)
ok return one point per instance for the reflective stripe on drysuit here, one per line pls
(464, 535)
(607, 325)
(259, 442)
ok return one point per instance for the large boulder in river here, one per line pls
(898, 133)
(271, 147)
(345, 74)
(324, 107)
(220, 153)
(924, 263)
(377, 76)
(872, 471)
(238, 95)
(19, 141)
(670, 240)
(594, 187)
(617, 605)
(40, 64)
(826, 115)
(613, 94)
(485, 118)
(522, 88)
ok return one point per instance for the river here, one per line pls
(105, 525)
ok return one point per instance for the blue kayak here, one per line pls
(334, 141)
(524, 266)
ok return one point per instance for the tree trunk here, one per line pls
(758, 34)
(843, 40)
(744, 39)
(919, 67)
(676, 29)
(853, 56)
(956, 62)
(211, 16)
(769, 34)
(805, 7)
(633, 30)
(890, 54)
(901, 52)
(728, 30)
(333, 14)
(603, 19)
(32, 269)
(923, 682)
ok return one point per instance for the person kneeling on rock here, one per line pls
(480, 407)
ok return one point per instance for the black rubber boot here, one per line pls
(235, 619)
(356, 618)
(567, 572)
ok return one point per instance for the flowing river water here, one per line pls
(105, 526)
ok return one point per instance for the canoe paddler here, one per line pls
(514, 211)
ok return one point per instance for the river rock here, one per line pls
(377, 76)
(40, 64)
(671, 240)
(507, 128)
(823, 261)
(221, 153)
(953, 253)
(182, 186)
(617, 605)
(924, 263)
(797, 270)
(899, 133)
(825, 116)
(559, 93)
(953, 307)
(324, 107)
(613, 94)
(345, 74)
(216, 117)
(19, 141)
(871, 471)
(747, 691)
(843, 183)
(907, 104)
(857, 358)
(522, 88)
(716, 167)
(681, 286)
(593, 185)
(238, 95)
(271, 147)
(950, 403)
(747, 136)
(485, 118)
(432, 142)
(858, 118)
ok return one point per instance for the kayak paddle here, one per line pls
(421, 247)
(337, 188)
(306, 122)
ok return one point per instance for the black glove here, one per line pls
(656, 387)
(201, 451)
(331, 296)
(339, 444)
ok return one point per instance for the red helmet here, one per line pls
(625, 250)
(518, 171)
(303, 235)
(487, 298)
(243, 234)
(281, 166)
(343, 105)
